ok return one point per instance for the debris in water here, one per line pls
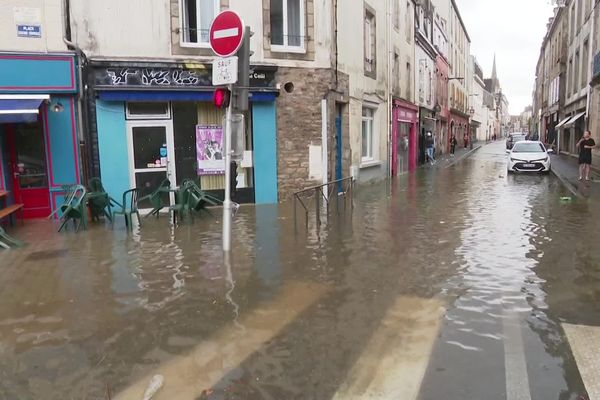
(155, 384)
(566, 199)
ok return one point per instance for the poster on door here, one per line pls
(209, 150)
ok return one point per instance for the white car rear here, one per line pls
(528, 156)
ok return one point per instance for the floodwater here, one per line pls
(445, 284)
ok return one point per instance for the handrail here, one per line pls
(344, 187)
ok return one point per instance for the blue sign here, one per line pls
(163, 151)
(32, 31)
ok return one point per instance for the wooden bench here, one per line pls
(10, 210)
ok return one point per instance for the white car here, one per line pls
(529, 156)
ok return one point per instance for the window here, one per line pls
(577, 65)
(287, 25)
(421, 82)
(148, 110)
(367, 134)
(196, 18)
(396, 14)
(572, 30)
(409, 12)
(584, 64)
(408, 81)
(370, 43)
(569, 74)
(396, 77)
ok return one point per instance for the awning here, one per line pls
(17, 108)
(574, 119)
(561, 123)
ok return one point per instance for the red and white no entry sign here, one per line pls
(226, 33)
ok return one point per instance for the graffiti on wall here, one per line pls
(174, 77)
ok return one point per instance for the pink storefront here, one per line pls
(404, 137)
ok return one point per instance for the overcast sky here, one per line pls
(513, 29)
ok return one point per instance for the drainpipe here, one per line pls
(82, 114)
(389, 85)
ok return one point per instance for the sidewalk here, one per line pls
(447, 160)
(566, 168)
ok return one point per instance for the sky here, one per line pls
(513, 30)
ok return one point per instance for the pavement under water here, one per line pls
(444, 284)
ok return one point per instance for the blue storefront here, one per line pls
(39, 145)
(151, 119)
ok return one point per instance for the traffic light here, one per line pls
(221, 97)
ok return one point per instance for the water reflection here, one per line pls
(295, 309)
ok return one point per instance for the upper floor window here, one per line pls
(196, 18)
(370, 43)
(287, 24)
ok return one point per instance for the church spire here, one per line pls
(494, 76)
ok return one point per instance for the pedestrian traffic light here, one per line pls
(221, 97)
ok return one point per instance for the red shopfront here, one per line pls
(404, 137)
(459, 126)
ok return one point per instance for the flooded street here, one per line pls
(447, 284)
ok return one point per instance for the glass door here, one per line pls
(151, 157)
(29, 169)
(402, 143)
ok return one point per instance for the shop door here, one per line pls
(151, 157)
(29, 169)
(402, 147)
(339, 135)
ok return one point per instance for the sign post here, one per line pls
(226, 37)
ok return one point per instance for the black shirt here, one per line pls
(583, 152)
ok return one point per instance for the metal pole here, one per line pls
(227, 199)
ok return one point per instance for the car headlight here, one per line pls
(514, 160)
(541, 159)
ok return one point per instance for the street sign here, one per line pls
(226, 33)
(225, 71)
(32, 31)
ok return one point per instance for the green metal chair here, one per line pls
(181, 206)
(192, 199)
(73, 208)
(129, 207)
(99, 201)
(156, 198)
(7, 241)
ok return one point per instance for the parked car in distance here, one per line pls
(514, 138)
(528, 156)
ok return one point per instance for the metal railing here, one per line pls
(324, 194)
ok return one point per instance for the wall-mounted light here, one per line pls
(58, 107)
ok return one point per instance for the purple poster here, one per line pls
(209, 150)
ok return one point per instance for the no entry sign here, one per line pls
(226, 33)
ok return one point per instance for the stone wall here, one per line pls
(299, 124)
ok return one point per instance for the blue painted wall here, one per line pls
(37, 73)
(264, 126)
(63, 141)
(112, 145)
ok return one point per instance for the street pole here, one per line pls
(227, 199)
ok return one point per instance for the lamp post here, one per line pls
(471, 113)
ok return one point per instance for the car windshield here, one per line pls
(528, 147)
(516, 138)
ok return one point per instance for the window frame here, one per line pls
(182, 21)
(136, 117)
(370, 43)
(285, 47)
(371, 155)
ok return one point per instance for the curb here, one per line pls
(567, 184)
(466, 155)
